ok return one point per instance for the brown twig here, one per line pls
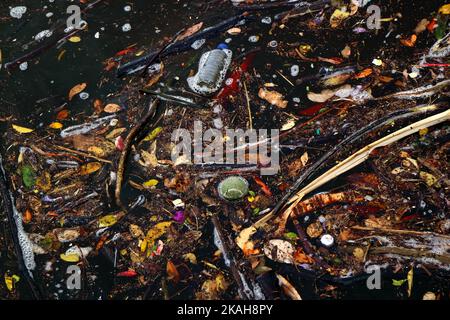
(127, 148)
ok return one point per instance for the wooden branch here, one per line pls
(127, 149)
(399, 231)
(415, 253)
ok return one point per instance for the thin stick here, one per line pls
(250, 118)
(399, 231)
(83, 154)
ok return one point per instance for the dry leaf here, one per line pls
(234, 31)
(20, 129)
(190, 31)
(273, 97)
(62, 115)
(445, 9)
(89, 168)
(112, 108)
(410, 42)
(55, 125)
(76, 90)
(288, 288)
(338, 17)
(280, 251)
(172, 272)
(74, 39)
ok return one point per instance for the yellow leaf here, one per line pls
(150, 183)
(56, 125)
(97, 151)
(157, 231)
(75, 39)
(77, 89)
(70, 257)
(445, 9)
(153, 134)
(11, 281)
(89, 168)
(429, 179)
(190, 257)
(410, 281)
(20, 129)
(144, 245)
(338, 17)
(244, 236)
(107, 221)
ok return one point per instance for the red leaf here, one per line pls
(127, 274)
(263, 186)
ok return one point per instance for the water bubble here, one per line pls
(273, 44)
(266, 20)
(127, 8)
(84, 95)
(253, 39)
(126, 27)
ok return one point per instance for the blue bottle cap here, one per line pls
(222, 46)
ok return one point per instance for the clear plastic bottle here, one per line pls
(212, 70)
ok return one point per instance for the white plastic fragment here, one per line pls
(43, 34)
(23, 66)
(198, 44)
(18, 12)
(86, 127)
(327, 240)
(295, 70)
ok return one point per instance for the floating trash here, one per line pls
(18, 12)
(327, 240)
(233, 188)
(212, 69)
(43, 34)
(198, 44)
(23, 66)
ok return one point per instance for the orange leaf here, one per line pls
(409, 42)
(172, 272)
(27, 216)
(263, 186)
(76, 90)
(98, 105)
(62, 115)
(112, 108)
(89, 168)
(365, 73)
(190, 31)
